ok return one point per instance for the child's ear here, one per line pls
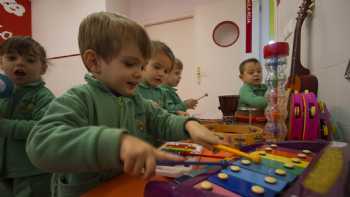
(240, 76)
(90, 60)
(43, 69)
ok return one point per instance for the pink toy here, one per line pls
(296, 120)
(326, 126)
(311, 116)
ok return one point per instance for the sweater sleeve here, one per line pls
(65, 141)
(19, 129)
(174, 103)
(247, 96)
(181, 106)
(165, 125)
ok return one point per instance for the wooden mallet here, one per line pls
(254, 157)
(205, 95)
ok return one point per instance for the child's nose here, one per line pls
(138, 74)
(162, 73)
(19, 62)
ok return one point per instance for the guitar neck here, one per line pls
(300, 77)
(297, 68)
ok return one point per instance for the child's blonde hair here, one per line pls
(158, 46)
(106, 33)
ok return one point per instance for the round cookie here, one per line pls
(256, 189)
(245, 162)
(268, 149)
(206, 185)
(296, 160)
(301, 155)
(305, 151)
(280, 172)
(270, 179)
(222, 176)
(235, 168)
(289, 165)
(273, 145)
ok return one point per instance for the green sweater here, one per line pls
(18, 114)
(173, 101)
(155, 94)
(79, 137)
(252, 96)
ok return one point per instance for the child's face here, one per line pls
(156, 69)
(124, 72)
(22, 69)
(173, 78)
(252, 73)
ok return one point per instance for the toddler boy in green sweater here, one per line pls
(252, 92)
(174, 102)
(101, 129)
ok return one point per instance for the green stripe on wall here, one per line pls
(272, 29)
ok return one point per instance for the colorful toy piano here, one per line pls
(285, 169)
(188, 150)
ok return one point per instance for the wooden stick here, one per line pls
(201, 155)
(206, 94)
(254, 158)
(222, 163)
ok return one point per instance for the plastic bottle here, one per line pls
(275, 55)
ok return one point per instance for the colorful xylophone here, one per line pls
(281, 165)
(188, 150)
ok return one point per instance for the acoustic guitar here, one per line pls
(300, 78)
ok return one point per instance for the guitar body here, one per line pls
(309, 82)
(300, 78)
(303, 82)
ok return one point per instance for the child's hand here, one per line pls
(191, 103)
(182, 113)
(201, 135)
(155, 104)
(140, 157)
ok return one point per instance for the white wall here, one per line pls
(219, 66)
(55, 26)
(118, 6)
(64, 74)
(55, 23)
(326, 50)
(151, 11)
